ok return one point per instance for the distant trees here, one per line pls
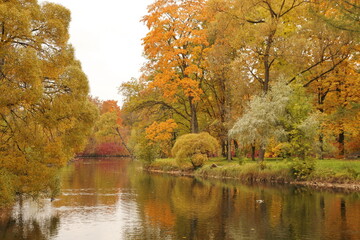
(109, 136)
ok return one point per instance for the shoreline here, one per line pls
(354, 187)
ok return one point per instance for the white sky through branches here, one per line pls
(107, 39)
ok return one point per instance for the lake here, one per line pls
(112, 198)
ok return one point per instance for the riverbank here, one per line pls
(329, 173)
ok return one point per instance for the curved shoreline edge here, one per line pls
(353, 187)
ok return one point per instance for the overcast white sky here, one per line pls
(107, 39)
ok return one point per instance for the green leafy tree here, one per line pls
(300, 123)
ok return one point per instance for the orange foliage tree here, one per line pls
(175, 46)
(162, 133)
(337, 97)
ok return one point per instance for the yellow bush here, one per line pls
(194, 148)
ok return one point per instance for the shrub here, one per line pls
(194, 148)
(146, 152)
(301, 169)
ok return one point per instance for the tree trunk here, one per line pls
(261, 154)
(229, 157)
(123, 142)
(223, 148)
(341, 141)
(253, 152)
(321, 98)
(267, 62)
(194, 125)
(321, 141)
(236, 148)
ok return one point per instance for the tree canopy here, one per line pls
(45, 114)
(211, 64)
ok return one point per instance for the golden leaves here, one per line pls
(162, 131)
(175, 45)
(45, 115)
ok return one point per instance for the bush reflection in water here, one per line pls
(114, 199)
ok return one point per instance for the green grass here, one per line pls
(338, 165)
(336, 171)
(275, 170)
(248, 171)
(164, 164)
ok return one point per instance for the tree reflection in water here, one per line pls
(115, 199)
(210, 209)
(23, 224)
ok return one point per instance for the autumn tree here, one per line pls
(162, 134)
(225, 90)
(45, 114)
(261, 120)
(337, 97)
(343, 14)
(207, 60)
(282, 39)
(175, 47)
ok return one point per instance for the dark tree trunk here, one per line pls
(321, 141)
(253, 152)
(321, 98)
(341, 141)
(194, 125)
(236, 148)
(223, 148)
(267, 62)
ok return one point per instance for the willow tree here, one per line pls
(44, 111)
(175, 46)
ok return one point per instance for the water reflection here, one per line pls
(28, 221)
(113, 199)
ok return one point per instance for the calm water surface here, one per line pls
(113, 199)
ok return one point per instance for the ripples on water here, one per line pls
(111, 199)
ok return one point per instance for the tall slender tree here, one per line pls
(175, 47)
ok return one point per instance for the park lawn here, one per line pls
(338, 165)
(336, 171)
(272, 170)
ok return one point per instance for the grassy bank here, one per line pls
(324, 172)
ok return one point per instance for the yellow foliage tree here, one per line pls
(45, 114)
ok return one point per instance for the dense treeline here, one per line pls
(45, 112)
(109, 136)
(266, 78)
